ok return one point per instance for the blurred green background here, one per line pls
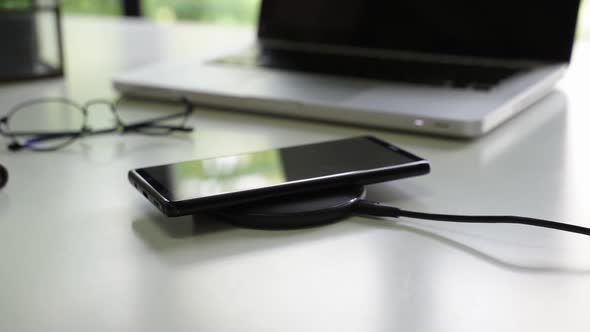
(216, 11)
(219, 11)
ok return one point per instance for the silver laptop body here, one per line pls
(399, 75)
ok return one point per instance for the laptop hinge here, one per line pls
(289, 46)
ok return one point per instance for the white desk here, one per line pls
(80, 250)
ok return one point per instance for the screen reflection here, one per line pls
(209, 177)
(228, 174)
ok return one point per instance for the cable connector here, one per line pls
(376, 209)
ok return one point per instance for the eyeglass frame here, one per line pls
(86, 130)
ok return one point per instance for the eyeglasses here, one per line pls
(50, 124)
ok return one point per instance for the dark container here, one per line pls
(30, 40)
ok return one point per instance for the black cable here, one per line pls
(382, 210)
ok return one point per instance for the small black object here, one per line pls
(3, 176)
(328, 206)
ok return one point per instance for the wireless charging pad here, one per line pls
(295, 211)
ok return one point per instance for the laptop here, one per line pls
(453, 67)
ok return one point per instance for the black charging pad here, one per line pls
(299, 210)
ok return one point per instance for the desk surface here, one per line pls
(81, 250)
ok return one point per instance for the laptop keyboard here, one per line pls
(439, 74)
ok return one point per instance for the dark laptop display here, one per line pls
(539, 30)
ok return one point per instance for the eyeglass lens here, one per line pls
(32, 124)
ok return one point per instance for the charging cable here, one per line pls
(365, 207)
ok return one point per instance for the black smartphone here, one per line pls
(193, 186)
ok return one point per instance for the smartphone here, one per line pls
(194, 186)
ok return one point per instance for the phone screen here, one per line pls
(223, 175)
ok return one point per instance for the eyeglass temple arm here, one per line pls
(14, 146)
(175, 128)
(137, 126)
(153, 123)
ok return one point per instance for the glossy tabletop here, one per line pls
(81, 250)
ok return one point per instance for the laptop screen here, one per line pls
(540, 30)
